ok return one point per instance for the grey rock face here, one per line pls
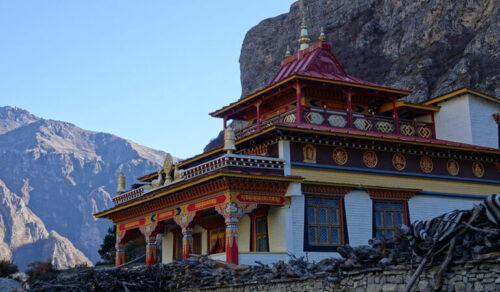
(430, 47)
(54, 176)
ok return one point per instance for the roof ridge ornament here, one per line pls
(322, 36)
(287, 53)
(304, 39)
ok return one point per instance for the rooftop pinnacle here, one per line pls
(304, 37)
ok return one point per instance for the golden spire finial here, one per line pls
(322, 36)
(287, 53)
(304, 36)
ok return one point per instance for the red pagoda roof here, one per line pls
(318, 61)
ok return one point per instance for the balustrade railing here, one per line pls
(340, 119)
(227, 160)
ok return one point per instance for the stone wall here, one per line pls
(479, 275)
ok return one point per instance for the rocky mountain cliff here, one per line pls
(55, 175)
(430, 47)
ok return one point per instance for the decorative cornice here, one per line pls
(326, 189)
(386, 193)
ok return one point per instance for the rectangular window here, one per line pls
(324, 222)
(388, 215)
(217, 240)
(261, 239)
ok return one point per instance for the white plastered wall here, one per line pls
(453, 120)
(359, 217)
(167, 247)
(422, 207)
(276, 219)
(484, 127)
(244, 234)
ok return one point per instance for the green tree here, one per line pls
(107, 250)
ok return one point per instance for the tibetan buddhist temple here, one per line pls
(318, 159)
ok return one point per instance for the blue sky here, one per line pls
(149, 71)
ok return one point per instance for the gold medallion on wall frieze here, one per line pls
(426, 164)
(340, 156)
(370, 159)
(452, 166)
(478, 169)
(399, 161)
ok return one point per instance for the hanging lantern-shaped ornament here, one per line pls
(120, 183)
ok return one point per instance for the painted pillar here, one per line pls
(349, 107)
(232, 253)
(299, 103)
(232, 212)
(150, 250)
(396, 116)
(257, 105)
(187, 242)
(120, 254)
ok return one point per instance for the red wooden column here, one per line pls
(186, 222)
(232, 212)
(433, 126)
(257, 106)
(299, 102)
(396, 116)
(349, 107)
(120, 254)
(187, 242)
(232, 254)
(150, 250)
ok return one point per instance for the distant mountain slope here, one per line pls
(61, 174)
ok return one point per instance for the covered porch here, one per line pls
(230, 216)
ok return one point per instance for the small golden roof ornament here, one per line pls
(322, 36)
(304, 39)
(288, 53)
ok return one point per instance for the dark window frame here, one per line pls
(343, 233)
(406, 213)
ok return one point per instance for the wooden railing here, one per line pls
(340, 119)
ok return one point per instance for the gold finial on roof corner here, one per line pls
(288, 53)
(322, 36)
(304, 39)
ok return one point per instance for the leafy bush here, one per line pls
(7, 268)
(40, 269)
